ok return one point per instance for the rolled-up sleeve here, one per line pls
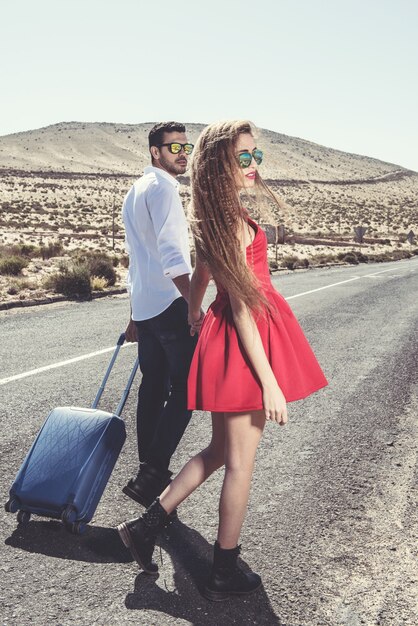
(170, 227)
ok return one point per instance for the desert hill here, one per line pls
(68, 177)
(62, 187)
(123, 148)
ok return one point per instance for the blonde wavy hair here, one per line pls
(217, 213)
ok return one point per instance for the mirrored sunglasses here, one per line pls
(245, 158)
(175, 147)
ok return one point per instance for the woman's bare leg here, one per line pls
(242, 435)
(198, 469)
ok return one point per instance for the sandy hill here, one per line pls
(64, 173)
(123, 148)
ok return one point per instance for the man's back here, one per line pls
(157, 242)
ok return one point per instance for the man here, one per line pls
(158, 281)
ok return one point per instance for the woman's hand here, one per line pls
(274, 403)
(195, 321)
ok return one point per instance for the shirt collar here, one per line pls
(159, 172)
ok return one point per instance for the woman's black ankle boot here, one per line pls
(227, 578)
(140, 535)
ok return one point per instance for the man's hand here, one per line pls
(131, 332)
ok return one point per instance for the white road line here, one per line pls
(391, 269)
(305, 293)
(45, 368)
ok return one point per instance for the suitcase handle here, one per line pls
(125, 394)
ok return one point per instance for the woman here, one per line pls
(251, 358)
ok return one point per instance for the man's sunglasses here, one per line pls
(245, 158)
(175, 147)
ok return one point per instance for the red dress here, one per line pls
(221, 376)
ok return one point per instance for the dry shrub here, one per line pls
(13, 265)
(397, 255)
(124, 260)
(19, 284)
(25, 249)
(98, 264)
(290, 261)
(52, 249)
(98, 283)
(72, 283)
(351, 258)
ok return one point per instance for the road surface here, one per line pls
(332, 515)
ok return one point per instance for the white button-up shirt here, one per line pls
(157, 242)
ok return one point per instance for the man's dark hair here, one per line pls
(156, 134)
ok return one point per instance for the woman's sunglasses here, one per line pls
(175, 148)
(245, 158)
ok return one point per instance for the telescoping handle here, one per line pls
(127, 389)
(125, 394)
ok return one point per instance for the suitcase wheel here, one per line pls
(69, 515)
(12, 505)
(23, 517)
(76, 528)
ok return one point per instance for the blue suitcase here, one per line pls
(70, 462)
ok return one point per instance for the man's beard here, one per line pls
(173, 168)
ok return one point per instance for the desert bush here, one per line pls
(98, 283)
(351, 258)
(102, 267)
(380, 257)
(25, 249)
(18, 284)
(397, 255)
(13, 265)
(73, 283)
(124, 260)
(290, 261)
(98, 264)
(362, 258)
(53, 248)
(324, 259)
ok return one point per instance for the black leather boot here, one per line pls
(148, 484)
(140, 535)
(227, 578)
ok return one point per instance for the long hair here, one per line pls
(217, 212)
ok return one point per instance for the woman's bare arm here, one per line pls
(274, 402)
(273, 399)
(198, 286)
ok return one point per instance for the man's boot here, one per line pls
(140, 535)
(148, 484)
(227, 578)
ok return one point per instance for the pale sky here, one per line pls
(340, 73)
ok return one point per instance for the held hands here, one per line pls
(195, 321)
(274, 403)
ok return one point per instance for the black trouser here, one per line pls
(165, 350)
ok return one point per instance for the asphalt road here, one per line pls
(332, 515)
